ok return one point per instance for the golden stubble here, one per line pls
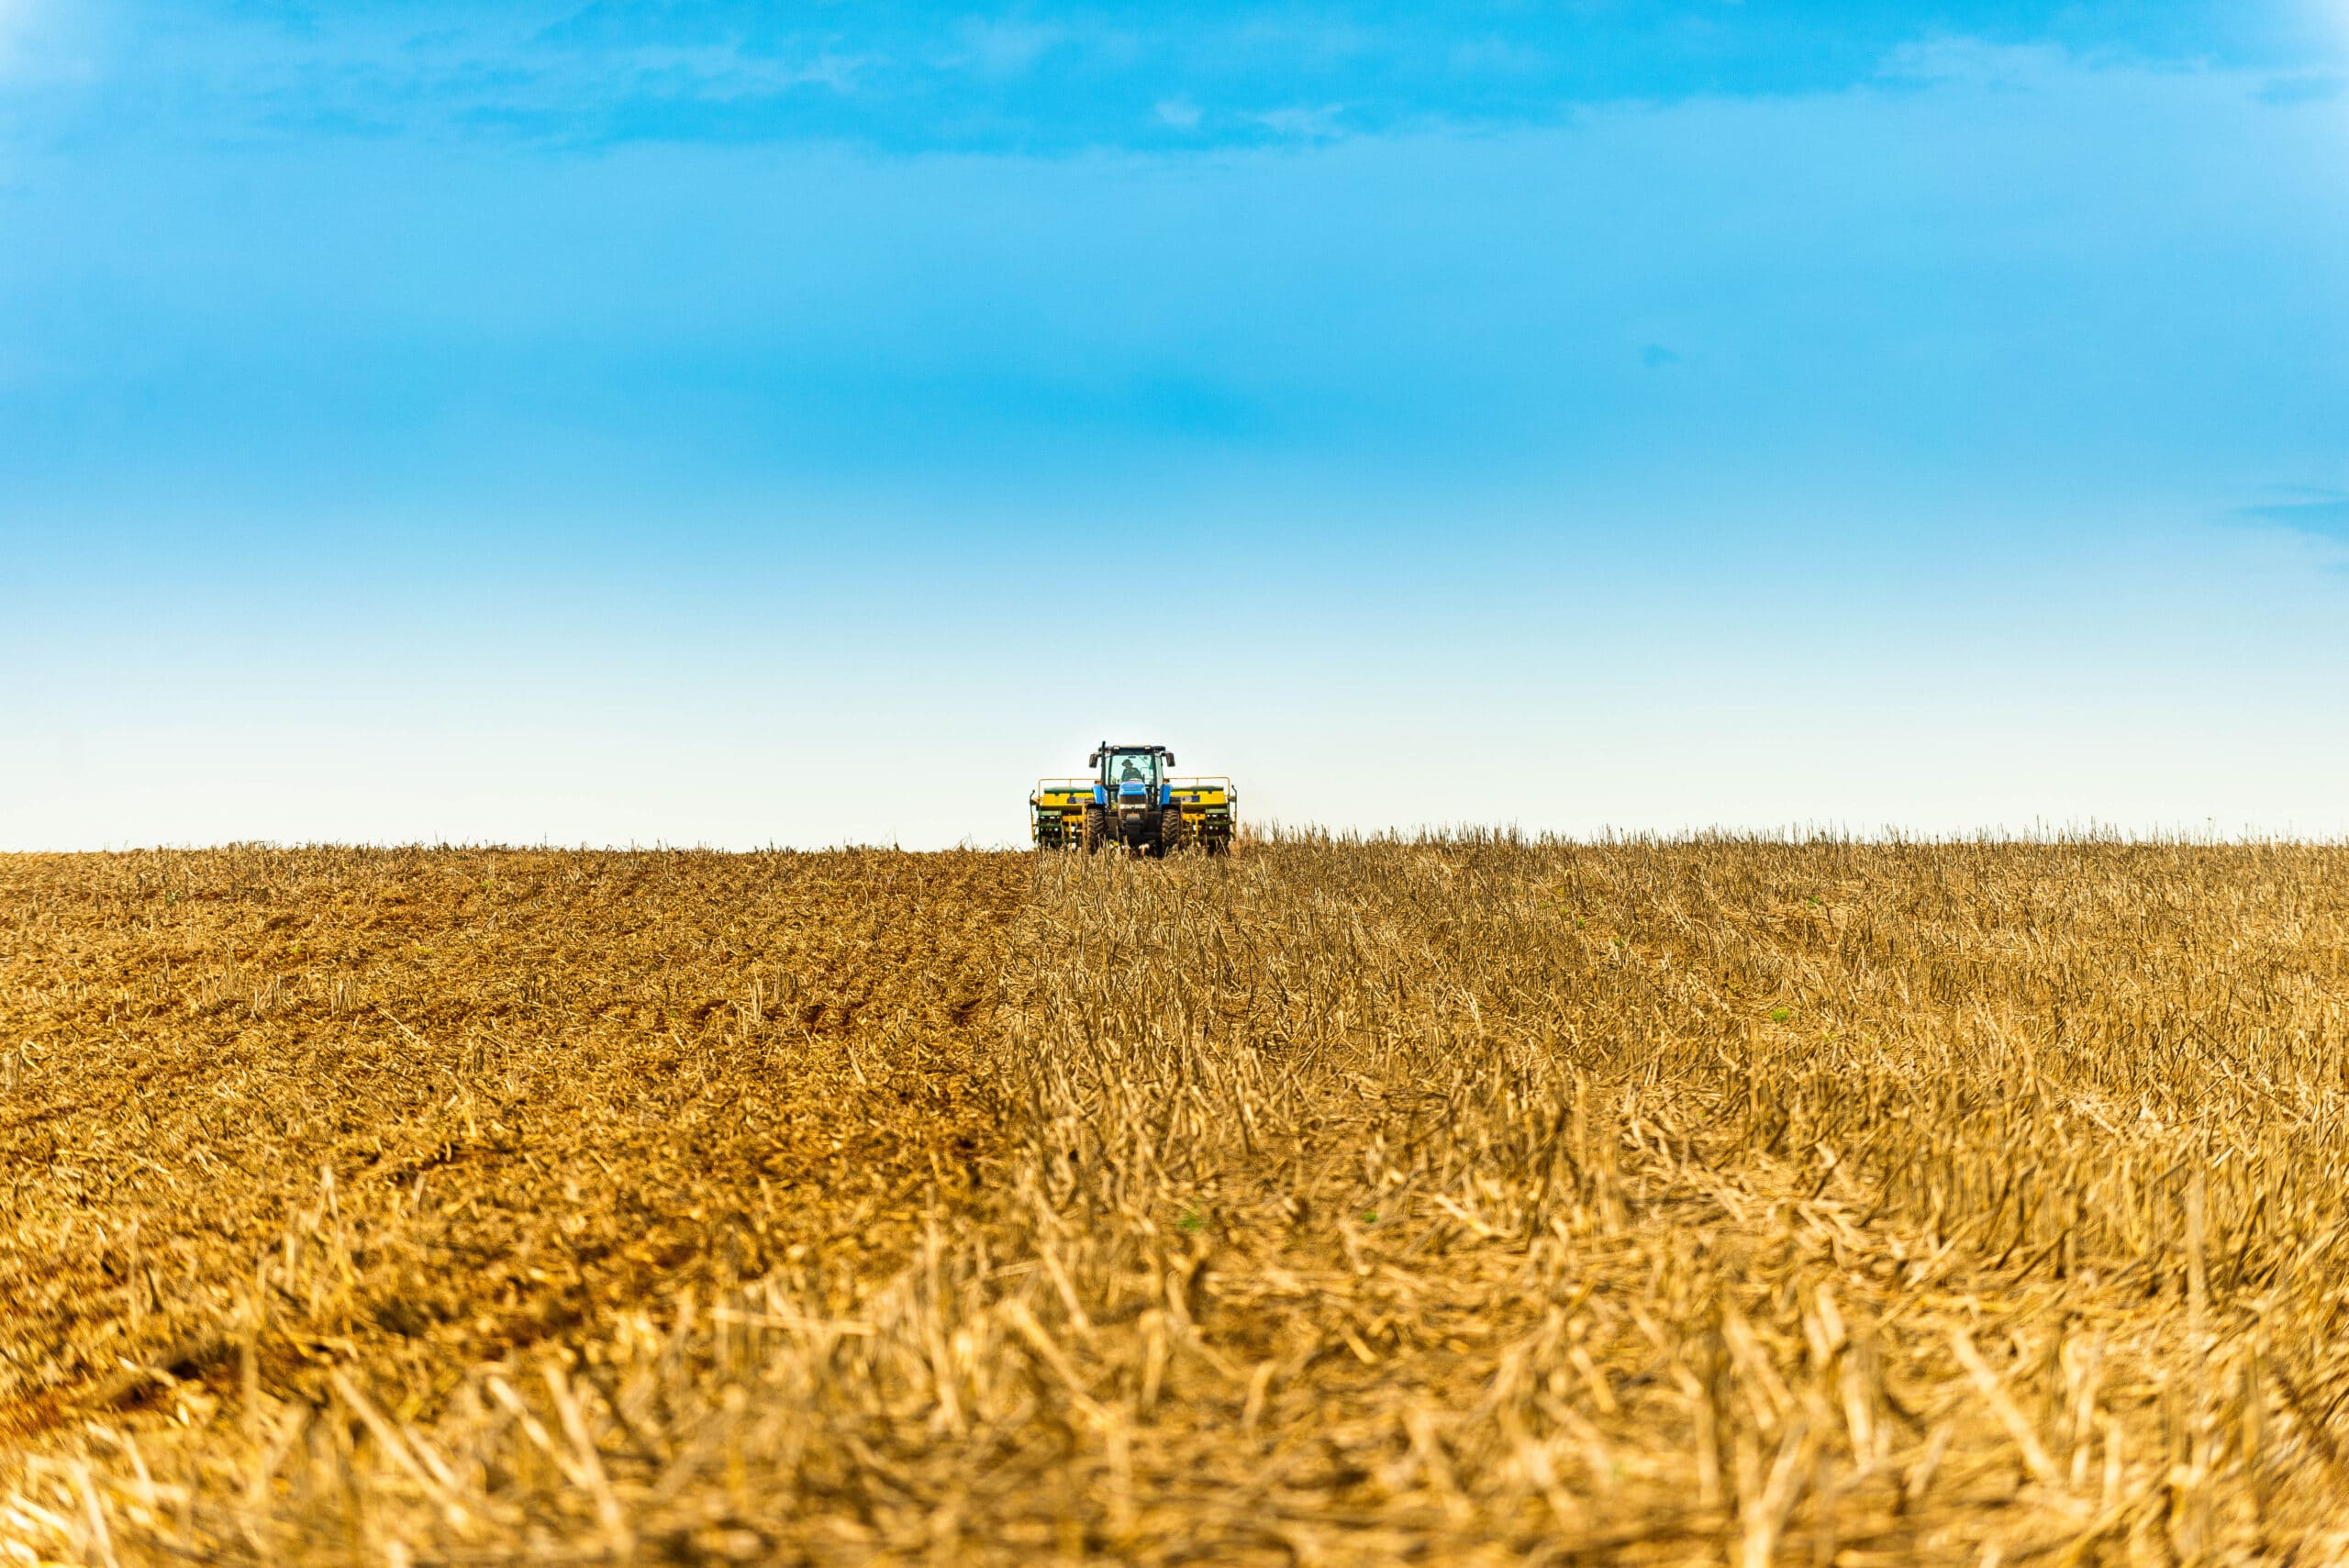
(1729, 1201)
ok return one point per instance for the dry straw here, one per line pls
(1475, 1200)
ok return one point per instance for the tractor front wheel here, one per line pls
(1099, 833)
(1174, 830)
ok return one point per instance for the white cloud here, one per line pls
(722, 72)
(1305, 123)
(1007, 49)
(1957, 60)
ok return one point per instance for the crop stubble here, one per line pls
(426, 1109)
(1473, 1201)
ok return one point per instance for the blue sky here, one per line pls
(733, 424)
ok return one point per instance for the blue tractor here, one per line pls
(1129, 802)
(1133, 803)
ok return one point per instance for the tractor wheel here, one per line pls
(1099, 833)
(1174, 830)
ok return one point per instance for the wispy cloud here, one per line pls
(1013, 75)
(1303, 122)
(1002, 49)
(2323, 514)
(1975, 61)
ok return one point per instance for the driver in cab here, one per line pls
(1130, 772)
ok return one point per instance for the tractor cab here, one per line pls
(1133, 776)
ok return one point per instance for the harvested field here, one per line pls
(1476, 1201)
(413, 1110)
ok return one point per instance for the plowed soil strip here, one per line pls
(417, 1109)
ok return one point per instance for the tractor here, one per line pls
(1133, 802)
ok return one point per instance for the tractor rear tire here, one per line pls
(1099, 833)
(1174, 830)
